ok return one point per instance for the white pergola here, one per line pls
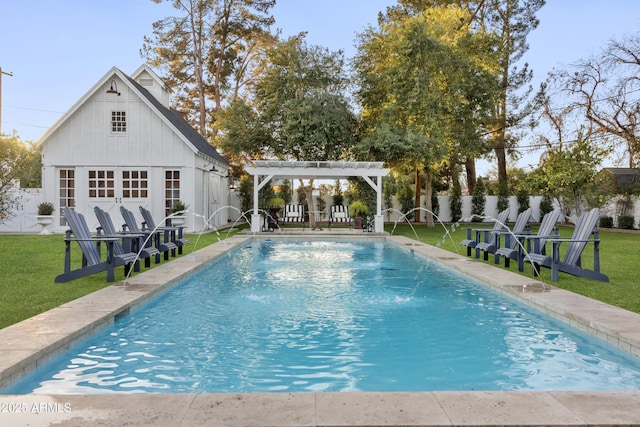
(264, 171)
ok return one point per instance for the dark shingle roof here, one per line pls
(625, 177)
(179, 122)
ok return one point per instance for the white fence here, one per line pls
(24, 220)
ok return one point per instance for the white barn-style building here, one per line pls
(121, 144)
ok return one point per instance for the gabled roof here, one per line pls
(170, 116)
(180, 124)
(624, 177)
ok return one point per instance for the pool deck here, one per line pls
(28, 343)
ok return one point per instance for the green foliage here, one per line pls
(606, 221)
(299, 111)
(245, 193)
(358, 208)
(524, 203)
(209, 52)
(568, 174)
(503, 195)
(179, 206)
(276, 202)
(17, 160)
(338, 197)
(46, 208)
(425, 83)
(388, 190)
(626, 222)
(285, 191)
(478, 201)
(455, 200)
(405, 194)
(546, 205)
(321, 203)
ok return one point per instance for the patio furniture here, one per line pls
(490, 247)
(584, 232)
(163, 245)
(514, 245)
(484, 234)
(339, 214)
(92, 261)
(175, 233)
(133, 242)
(293, 214)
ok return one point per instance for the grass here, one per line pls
(29, 264)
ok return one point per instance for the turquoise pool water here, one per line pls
(296, 315)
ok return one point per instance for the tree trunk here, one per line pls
(428, 185)
(417, 201)
(470, 169)
(308, 191)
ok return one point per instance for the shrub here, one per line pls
(45, 208)
(478, 201)
(626, 222)
(455, 201)
(606, 222)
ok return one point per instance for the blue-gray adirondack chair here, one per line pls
(294, 214)
(490, 247)
(514, 245)
(132, 242)
(162, 245)
(92, 261)
(584, 232)
(484, 234)
(173, 234)
(339, 214)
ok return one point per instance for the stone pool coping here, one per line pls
(28, 343)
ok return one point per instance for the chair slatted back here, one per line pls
(547, 225)
(585, 226)
(130, 220)
(519, 226)
(80, 229)
(148, 218)
(109, 229)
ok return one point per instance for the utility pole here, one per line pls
(10, 75)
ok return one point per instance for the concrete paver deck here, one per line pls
(29, 343)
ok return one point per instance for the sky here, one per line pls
(58, 49)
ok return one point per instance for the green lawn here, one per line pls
(29, 264)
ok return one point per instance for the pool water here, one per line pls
(295, 315)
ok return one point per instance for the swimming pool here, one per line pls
(334, 315)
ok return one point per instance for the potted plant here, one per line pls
(178, 213)
(357, 210)
(45, 216)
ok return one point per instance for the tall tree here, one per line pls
(424, 79)
(512, 21)
(298, 111)
(605, 89)
(207, 52)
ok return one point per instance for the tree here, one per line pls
(209, 52)
(455, 201)
(567, 173)
(512, 21)
(298, 110)
(17, 160)
(423, 80)
(478, 201)
(605, 89)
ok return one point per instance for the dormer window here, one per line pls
(118, 121)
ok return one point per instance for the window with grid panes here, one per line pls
(101, 184)
(171, 189)
(118, 121)
(67, 191)
(134, 184)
